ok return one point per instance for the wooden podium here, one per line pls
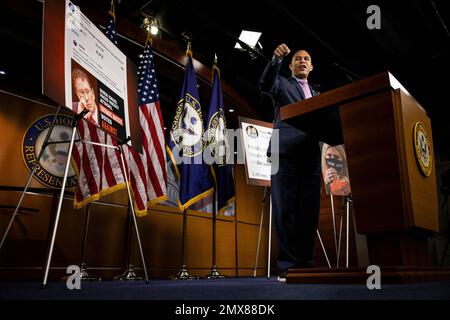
(395, 204)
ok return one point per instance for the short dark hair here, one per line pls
(78, 73)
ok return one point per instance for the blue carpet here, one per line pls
(224, 289)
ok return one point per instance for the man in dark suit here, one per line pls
(295, 186)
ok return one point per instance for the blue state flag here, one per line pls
(187, 143)
(219, 147)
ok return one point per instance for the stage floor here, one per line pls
(224, 289)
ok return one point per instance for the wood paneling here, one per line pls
(247, 237)
(249, 201)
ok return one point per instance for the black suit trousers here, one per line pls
(296, 204)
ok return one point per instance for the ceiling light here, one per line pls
(151, 25)
(250, 38)
(2, 72)
(230, 110)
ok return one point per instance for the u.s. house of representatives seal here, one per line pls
(187, 128)
(422, 147)
(217, 137)
(50, 169)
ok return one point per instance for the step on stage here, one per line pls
(389, 275)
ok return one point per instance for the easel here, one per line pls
(44, 145)
(84, 274)
(77, 118)
(347, 203)
(267, 194)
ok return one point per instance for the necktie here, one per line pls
(305, 88)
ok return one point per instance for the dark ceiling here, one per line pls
(413, 42)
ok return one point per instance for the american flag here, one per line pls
(148, 171)
(111, 28)
(99, 168)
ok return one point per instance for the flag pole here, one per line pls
(183, 274)
(214, 273)
(44, 145)
(84, 274)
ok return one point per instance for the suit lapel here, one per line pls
(297, 86)
(313, 92)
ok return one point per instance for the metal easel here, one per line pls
(77, 118)
(267, 194)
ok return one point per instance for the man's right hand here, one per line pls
(281, 51)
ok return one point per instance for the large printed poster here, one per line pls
(255, 141)
(83, 69)
(335, 170)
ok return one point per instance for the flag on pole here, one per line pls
(187, 143)
(148, 174)
(99, 168)
(219, 146)
(111, 28)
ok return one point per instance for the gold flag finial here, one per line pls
(189, 49)
(112, 11)
(214, 68)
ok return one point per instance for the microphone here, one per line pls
(347, 72)
(81, 114)
(124, 141)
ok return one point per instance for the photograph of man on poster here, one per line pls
(335, 170)
(84, 89)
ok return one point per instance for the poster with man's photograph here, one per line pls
(106, 109)
(335, 170)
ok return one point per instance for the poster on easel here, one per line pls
(83, 69)
(255, 137)
(335, 170)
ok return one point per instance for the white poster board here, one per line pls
(83, 69)
(255, 136)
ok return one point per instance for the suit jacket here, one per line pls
(283, 91)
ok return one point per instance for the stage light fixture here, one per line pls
(250, 38)
(151, 25)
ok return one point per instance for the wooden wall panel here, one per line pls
(16, 115)
(247, 236)
(249, 201)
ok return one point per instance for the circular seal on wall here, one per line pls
(422, 147)
(50, 169)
